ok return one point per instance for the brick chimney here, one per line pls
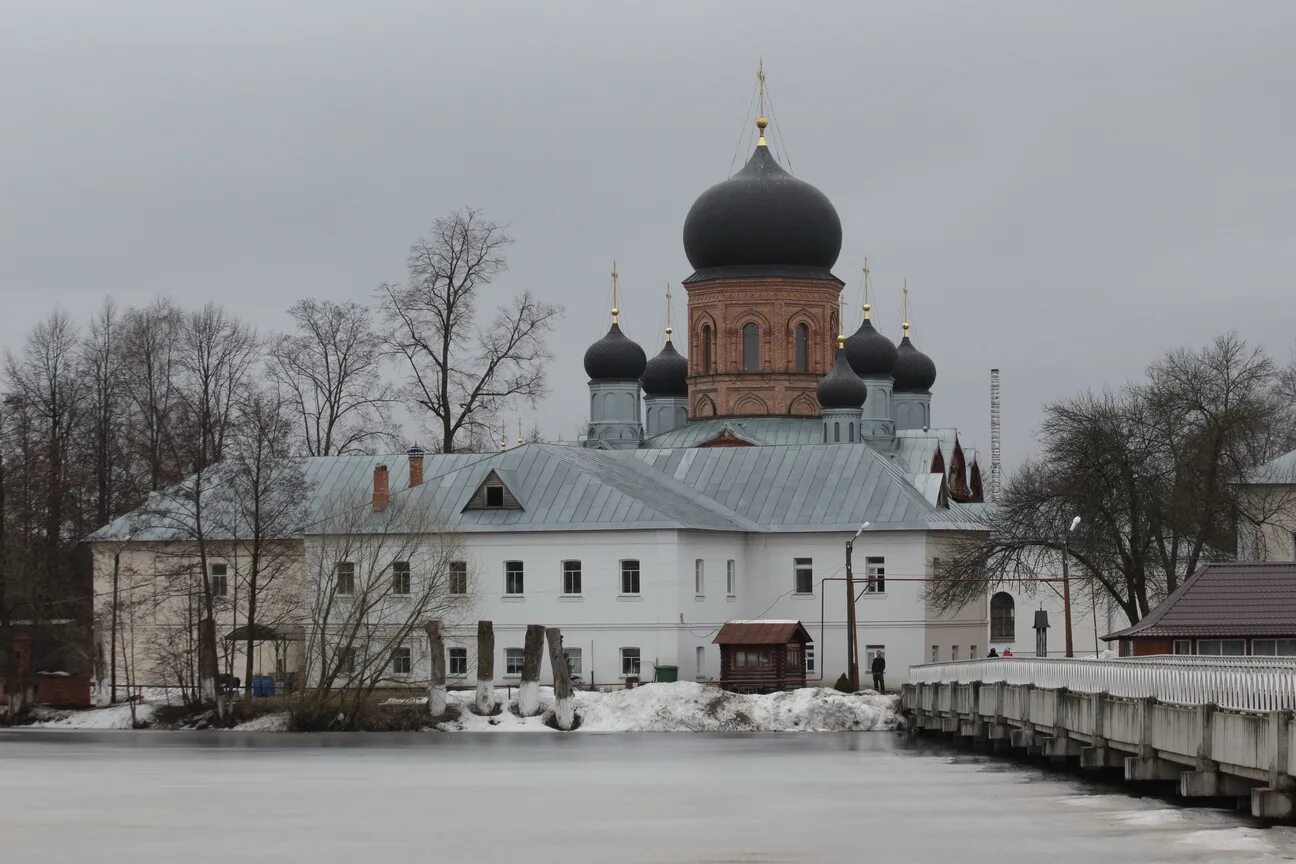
(415, 466)
(381, 495)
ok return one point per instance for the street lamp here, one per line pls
(852, 650)
(1066, 586)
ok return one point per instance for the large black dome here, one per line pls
(666, 374)
(914, 371)
(841, 387)
(614, 357)
(869, 352)
(762, 216)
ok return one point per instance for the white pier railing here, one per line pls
(1243, 683)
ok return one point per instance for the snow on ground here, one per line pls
(690, 707)
(680, 707)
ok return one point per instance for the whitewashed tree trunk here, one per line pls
(437, 701)
(207, 663)
(528, 701)
(564, 707)
(485, 702)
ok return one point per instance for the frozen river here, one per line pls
(221, 796)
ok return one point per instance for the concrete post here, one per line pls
(1276, 802)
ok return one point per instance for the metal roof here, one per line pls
(1280, 471)
(820, 487)
(1244, 598)
(761, 633)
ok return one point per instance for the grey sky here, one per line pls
(1070, 190)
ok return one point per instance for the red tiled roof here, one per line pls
(1244, 598)
(761, 633)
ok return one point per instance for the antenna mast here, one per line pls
(995, 465)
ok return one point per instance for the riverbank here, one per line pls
(678, 707)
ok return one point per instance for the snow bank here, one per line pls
(690, 707)
(114, 717)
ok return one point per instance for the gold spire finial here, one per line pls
(867, 306)
(905, 304)
(761, 120)
(669, 328)
(616, 288)
(841, 341)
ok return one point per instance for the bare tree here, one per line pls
(329, 367)
(374, 578)
(1153, 472)
(459, 373)
(104, 365)
(214, 356)
(152, 337)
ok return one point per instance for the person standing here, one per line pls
(878, 669)
(993, 653)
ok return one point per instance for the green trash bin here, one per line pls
(666, 674)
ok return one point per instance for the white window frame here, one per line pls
(800, 565)
(509, 574)
(699, 577)
(344, 578)
(347, 666)
(700, 656)
(731, 578)
(402, 655)
(875, 574)
(1185, 644)
(1219, 645)
(631, 567)
(567, 573)
(513, 657)
(457, 577)
(1276, 647)
(631, 663)
(402, 577)
(456, 653)
(220, 579)
(809, 657)
(575, 661)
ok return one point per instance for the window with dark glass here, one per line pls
(512, 577)
(571, 577)
(1003, 618)
(875, 573)
(751, 348)
(458, 577)
(803, 575)
(402, 661)
(400, 577)
(802, 348)
(458, 661)
(513, 658)
(629, 577)
(219, 580)
(494, 496)
(344, 577)
(706, 351)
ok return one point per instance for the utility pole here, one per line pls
(852, 649)
(1066, 586)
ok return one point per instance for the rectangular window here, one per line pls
(954, 652)
(571, 571)
(402, 661)
(699, 577)
(1183, 646)
(630, 578)
(458, 577)
(513, 577)
(573, 661)
(347, 661)
(219, 580)
(731, 578)
(934, 654)
(458, 661)
(810, 658)
(803, 575)
(513, 661)
(871, 651)
(494, 495)
(972, 653)
(629, 661)
(751, 660)
(1273, 647)
(875, 572)
(400, 577)
(1222, 647)
(701, 661)
(344, 577)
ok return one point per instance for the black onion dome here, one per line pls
(914, 371)
(762, 216)
(666, 374)
(841, 387)
(614, 357)
(870, 352)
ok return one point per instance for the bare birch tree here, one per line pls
(460, 373)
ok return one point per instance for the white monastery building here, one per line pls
(718, 487)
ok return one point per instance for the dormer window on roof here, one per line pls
(493, 494)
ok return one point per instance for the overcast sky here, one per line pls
(1069, 189)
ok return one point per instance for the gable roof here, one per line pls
(1243, 598)
(758, 632)
(1275, 472)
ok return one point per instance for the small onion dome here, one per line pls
(614, 357)
(869, 352)
(666, 374)
(762, 216)
(914, 371)
(841, 387)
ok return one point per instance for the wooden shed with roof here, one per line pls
(1234, 609)
(762, 656)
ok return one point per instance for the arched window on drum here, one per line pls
(1003, 618)
(802, 348)
(751, 347)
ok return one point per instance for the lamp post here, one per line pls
(1066, 587)
(852, 650)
